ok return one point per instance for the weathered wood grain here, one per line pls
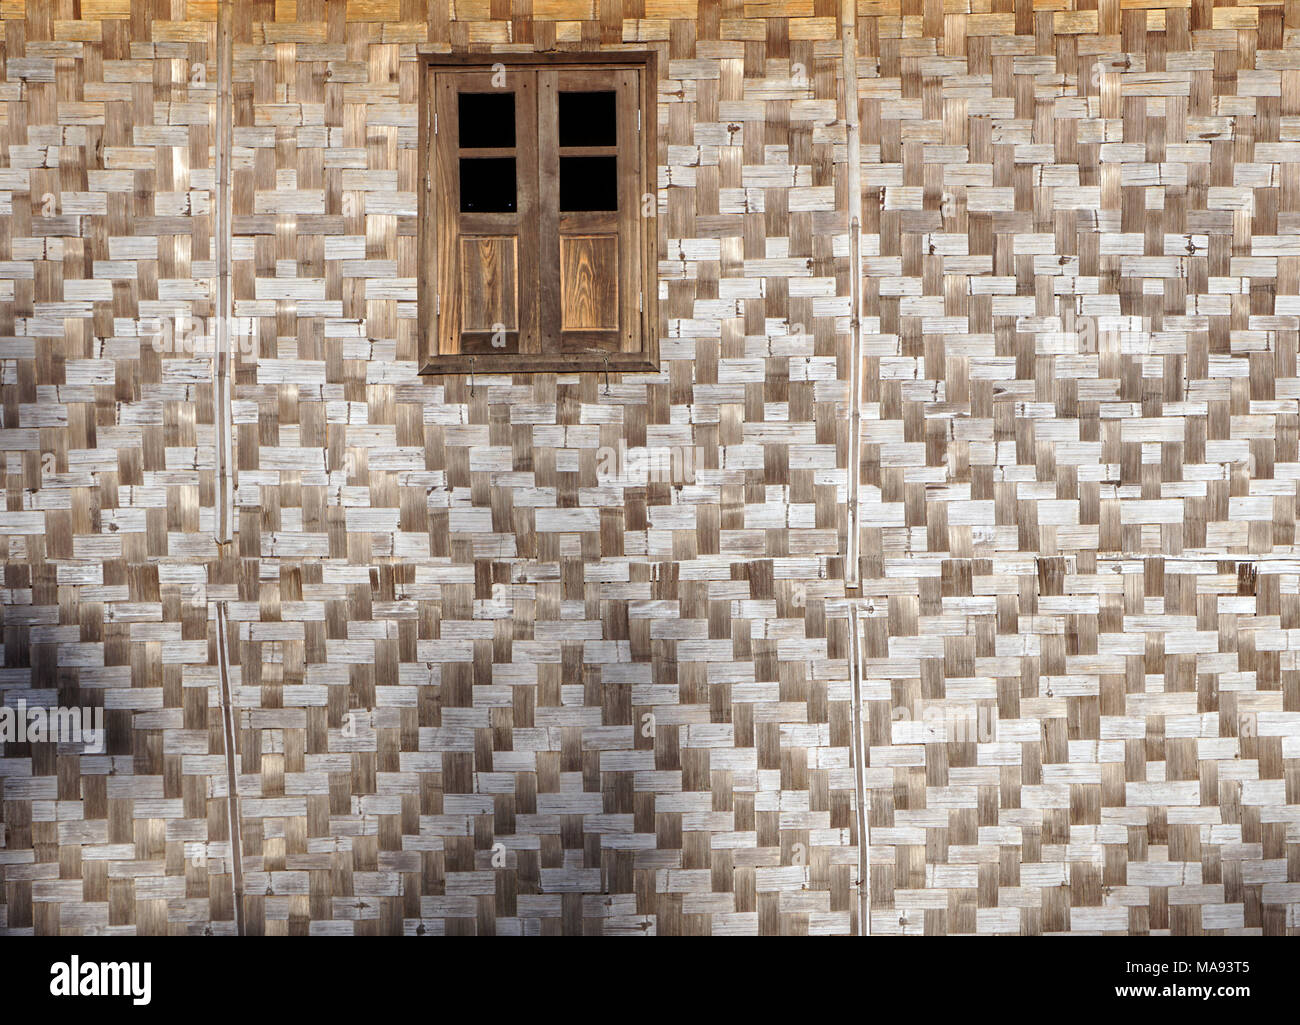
(489, 284)
(589, 275)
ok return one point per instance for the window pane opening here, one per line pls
(487, 120)
(588, 119)
(588, 183)
(487, 185)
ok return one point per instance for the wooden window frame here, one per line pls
(440, 224)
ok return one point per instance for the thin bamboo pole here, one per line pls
(222, 418)
(225, 510)
(852, 583)
(858, 754)
(853, 142)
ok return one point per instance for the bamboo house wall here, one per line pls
(482, 679)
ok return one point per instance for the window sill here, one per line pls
(618, 363)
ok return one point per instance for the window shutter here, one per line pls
(591, 183)
(536, 256)
(487, 212)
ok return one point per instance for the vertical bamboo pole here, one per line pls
(859, 772)
(852, 583)
(222, 419)
(225, 510)
(853, 141)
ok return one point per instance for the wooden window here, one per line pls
(537, 213)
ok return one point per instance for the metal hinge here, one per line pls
(638, 120)
(426, 181)
(639, 297)
(435, 124)
(437, 304)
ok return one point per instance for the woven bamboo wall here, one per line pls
(1080, 584)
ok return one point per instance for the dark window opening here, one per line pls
(487, 120)
(487, 185)
(588, 119)
(588, 183)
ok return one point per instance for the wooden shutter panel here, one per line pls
(488, 269)
(591, 258)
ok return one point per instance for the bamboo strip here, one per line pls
(849, 32)
(222, 414)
